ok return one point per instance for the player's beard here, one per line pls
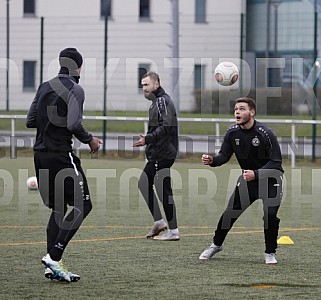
(245, 119)
(150, 96)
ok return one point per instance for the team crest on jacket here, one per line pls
(255, 142)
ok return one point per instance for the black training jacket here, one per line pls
(56, 112)
(162, 135)
(256, 148)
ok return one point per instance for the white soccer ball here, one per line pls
(32, 183)
(226, 73)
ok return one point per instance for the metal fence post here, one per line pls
(293, 141)
(13, 152)
(41, 48)
(217, 135)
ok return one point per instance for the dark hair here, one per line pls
(70, 58)
(153, 76)
(251, 103)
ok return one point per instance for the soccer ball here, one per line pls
(226, 73)
(32, 183)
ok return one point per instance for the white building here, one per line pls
(139, 38)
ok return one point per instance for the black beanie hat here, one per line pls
(70, 58)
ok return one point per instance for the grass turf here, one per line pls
(115, 261)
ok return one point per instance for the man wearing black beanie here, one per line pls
(56, 112)
(70, 61)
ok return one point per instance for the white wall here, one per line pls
(77, 23)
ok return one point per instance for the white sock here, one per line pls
(159, 221)
(175, 231)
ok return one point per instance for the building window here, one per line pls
(29, 75)
(105, 8)
(29, 7)
(144, 9)
(200, 11)
(199, 77)
(142, 70)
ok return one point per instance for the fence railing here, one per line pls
(216, 121)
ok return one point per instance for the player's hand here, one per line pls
(95, 144)
(248, 175)
(207, 159)
(140, 142)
